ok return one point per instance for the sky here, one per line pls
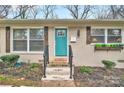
(62, 12)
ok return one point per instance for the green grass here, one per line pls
(4, 80)
(34, 65)
(85, 69)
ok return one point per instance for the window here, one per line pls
(36, 39)
(106, 36)
(29, 40)
(114, 36)
(61, 33)
(19, 40)
(98, 36)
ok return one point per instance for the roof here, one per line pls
(61, 21)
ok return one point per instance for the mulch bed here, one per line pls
(28, 75)
(26, 71)
(100, 77)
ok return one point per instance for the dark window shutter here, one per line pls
(88, 34)
(46, 35)
(7, 39)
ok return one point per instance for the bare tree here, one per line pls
(109, 12)
(101, 12)
(24, 12)
(79, 12)
(117, 11)
(48, 11)
(114, 9)
(4, 10)
(122, 11)
(33, 12)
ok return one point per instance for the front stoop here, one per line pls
(57, 73)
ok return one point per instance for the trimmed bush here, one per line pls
(85, 69)
(10, 59)
(109, 64)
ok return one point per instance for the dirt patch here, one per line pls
(100, 77)
(27, 71)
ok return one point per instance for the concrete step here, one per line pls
(58, 73)
(57, 77)
(58, 83)
(57, 70)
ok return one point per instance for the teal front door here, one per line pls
(61, 42)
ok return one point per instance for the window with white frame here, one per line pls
(106, 35)
(36, 40)
(28, 40)
(19, 39)
(98, 35)
(114, 36)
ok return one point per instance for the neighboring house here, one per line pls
(28, 38)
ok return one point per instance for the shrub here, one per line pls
(10, 59)
(108, 64)
(85, 69)
(34, 65)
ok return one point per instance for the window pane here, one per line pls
(20, 45)
(61, 33)
(36, 34)
(96, 32)
(114, 32)
(20, 34)
(114, 39)
(98, 39)
(36, 45)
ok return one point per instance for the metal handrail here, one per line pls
(70, 60)
(46, 59)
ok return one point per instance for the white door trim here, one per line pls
(67, 40)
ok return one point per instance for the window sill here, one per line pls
(27, 53)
